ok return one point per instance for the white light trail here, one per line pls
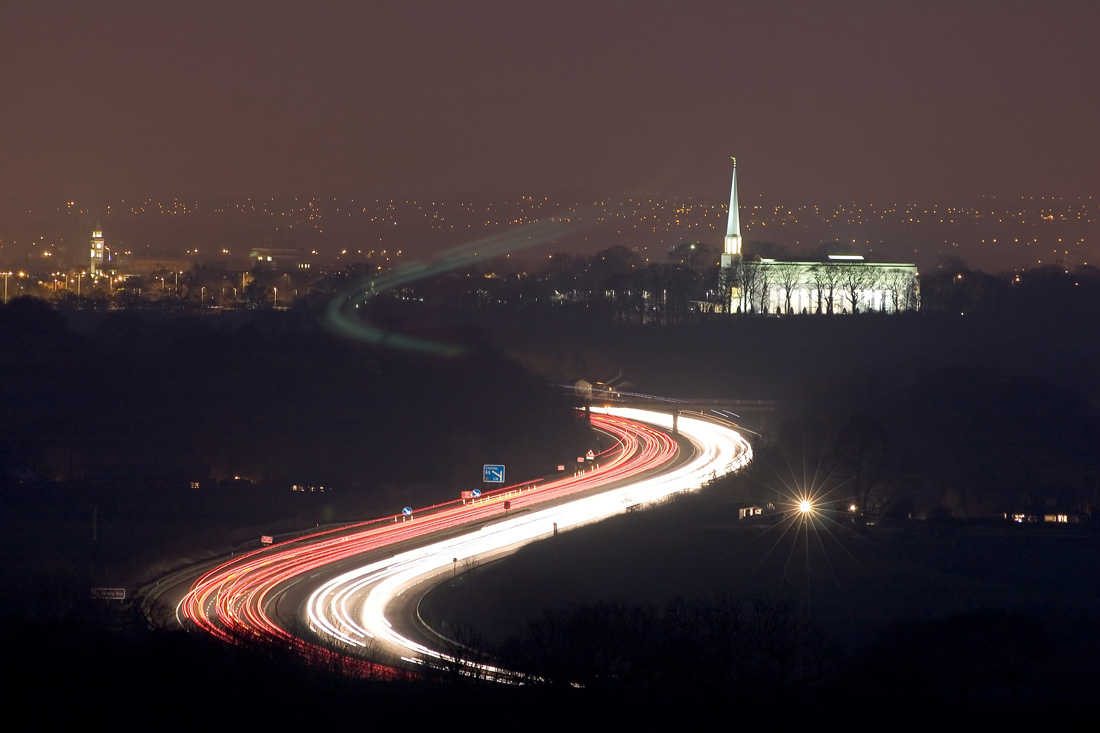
(351, 608)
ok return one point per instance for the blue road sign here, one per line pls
(407, 511)
(476, 493)
(492, 474)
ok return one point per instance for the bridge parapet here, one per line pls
(715, 410)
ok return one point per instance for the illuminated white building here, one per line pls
(838, 283)
(832, 284)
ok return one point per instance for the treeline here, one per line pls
(950, 442)
(1049, 290)
(721, 649)
(717, 659)
(274, 398)
(619, 285)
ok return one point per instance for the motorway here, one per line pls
(346, 593)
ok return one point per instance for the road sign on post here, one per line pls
(109, 594)
(492, 474)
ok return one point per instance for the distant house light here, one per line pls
(846, 257)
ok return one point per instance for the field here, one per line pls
(854, 584)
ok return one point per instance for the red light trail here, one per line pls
(231, 601)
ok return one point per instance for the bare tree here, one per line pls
(763, 286)
(465, 655)
(788, 276)
(786, 650)
(856, 279)
(896, 283)
(868, 466)
(707, 642)
(752, 281)
(597, 645)
(911, 300)
(826, 277)
(743, 274)
(727, 284)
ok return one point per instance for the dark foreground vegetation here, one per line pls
(69, 673)
(712, 665)
(688, 599)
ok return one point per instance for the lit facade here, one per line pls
(832, 284)
(97, 250)
(278, 258)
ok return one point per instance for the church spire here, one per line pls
(733, 227)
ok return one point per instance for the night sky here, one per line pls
(844, 100)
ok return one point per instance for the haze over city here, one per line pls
(846, 101)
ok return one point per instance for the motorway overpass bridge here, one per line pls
(750, 415)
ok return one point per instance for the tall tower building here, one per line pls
(731, 250)
(97, 249)
(733, 225)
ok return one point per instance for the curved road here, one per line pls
(348, 582)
